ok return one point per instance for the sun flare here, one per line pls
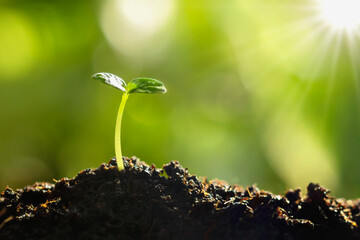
(340, 14)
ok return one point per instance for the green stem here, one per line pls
(118, 132)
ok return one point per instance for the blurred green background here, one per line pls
(262, 92)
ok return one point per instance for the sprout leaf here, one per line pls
(110, 79)
(145, 85)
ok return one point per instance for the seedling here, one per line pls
(137, 85)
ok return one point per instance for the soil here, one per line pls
(143, 202)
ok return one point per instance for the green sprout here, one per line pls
(137, 85)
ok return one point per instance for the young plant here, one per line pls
(137, 85)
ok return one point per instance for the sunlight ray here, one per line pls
(333, 70)
(312, 71)
(311, 38)
(353, 50)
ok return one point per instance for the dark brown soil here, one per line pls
(142, 203)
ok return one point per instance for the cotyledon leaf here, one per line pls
(110, 79)
(145, 85)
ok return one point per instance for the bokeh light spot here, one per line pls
(146, 15)
(17, 45)
(131, 26)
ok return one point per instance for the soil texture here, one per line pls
(144, 202)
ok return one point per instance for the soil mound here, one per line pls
(144, 202)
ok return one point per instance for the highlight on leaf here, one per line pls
(110, 79)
